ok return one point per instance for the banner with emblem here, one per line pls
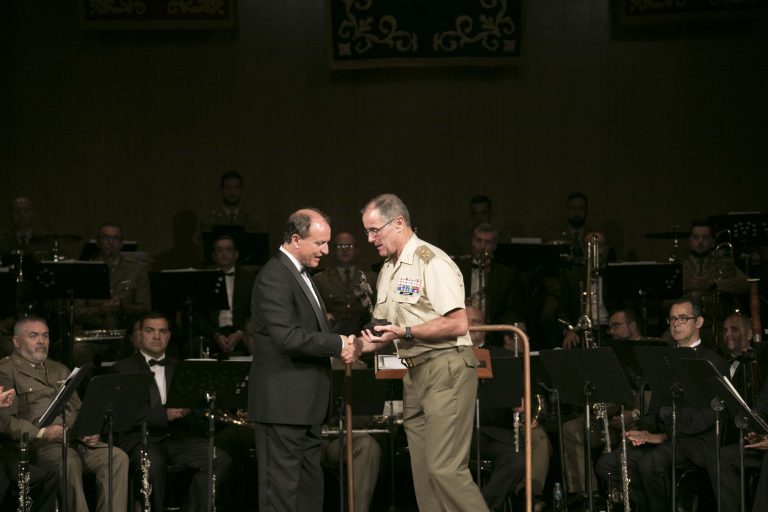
(389, 33)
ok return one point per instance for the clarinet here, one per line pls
(624, 469)
(146, 485)
(25, 502)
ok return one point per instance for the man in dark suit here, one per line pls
(650, 454)
(290, 376)
(171, 442)
(228, 327)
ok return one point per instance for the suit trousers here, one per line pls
(91, 460)
(729, 477)
(289, 466)
(438, 409)
(650, 468)
(187, 450)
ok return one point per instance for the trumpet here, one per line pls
(25, 501)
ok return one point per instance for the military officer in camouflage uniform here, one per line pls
(421, 292)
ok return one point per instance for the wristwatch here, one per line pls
(408, 336)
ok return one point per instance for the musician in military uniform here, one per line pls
(341, 287)
(229, 213)
(130, 298)
(23, 236)
(36, 380)
(419, 291)
(711, 279)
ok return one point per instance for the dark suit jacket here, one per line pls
(691, 421)
(207, 324)
(290, 375)
(154, 411)
(504, 303)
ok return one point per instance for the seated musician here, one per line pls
(227, 328)
(43, 480)
(497, 440)
(23, 236)
(36, 380)
(748, 362)
(649, 457)
(711, 278)
(129, 289)
(171, 440)
(755, 457)
(366, 459)
(622, 326)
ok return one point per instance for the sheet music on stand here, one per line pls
(63, 395)
(704, 371)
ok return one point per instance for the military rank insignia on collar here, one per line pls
(408, 286)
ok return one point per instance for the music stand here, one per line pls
(724, 393)
(70, 280)
(7, 293)
(748, 229)
(188, 290)
(91, 250)
(584, 377)
(209, 384)
(57, 407)
(643, 281)
(672, 385)
(115, 402)
(253, 247)
(533, 259)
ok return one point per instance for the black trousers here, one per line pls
(289, 466)
(180, 449)
(650, 468)
(44, 482)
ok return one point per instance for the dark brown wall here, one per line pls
(137, 126)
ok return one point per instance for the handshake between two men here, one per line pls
(370, 339)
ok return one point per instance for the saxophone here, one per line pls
(25, 502)
(146, 485)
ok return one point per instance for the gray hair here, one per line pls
(390, 206)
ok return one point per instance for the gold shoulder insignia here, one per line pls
(424, 253)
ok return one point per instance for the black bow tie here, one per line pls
(153, 362)
(229, 273)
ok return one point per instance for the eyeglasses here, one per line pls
(345, 246)
(616, 325)
(682, 319)
(376, 231)
(109, 238)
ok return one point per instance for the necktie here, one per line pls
(23, 240)
(232, 217)
(153, 362)
(347, 278)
